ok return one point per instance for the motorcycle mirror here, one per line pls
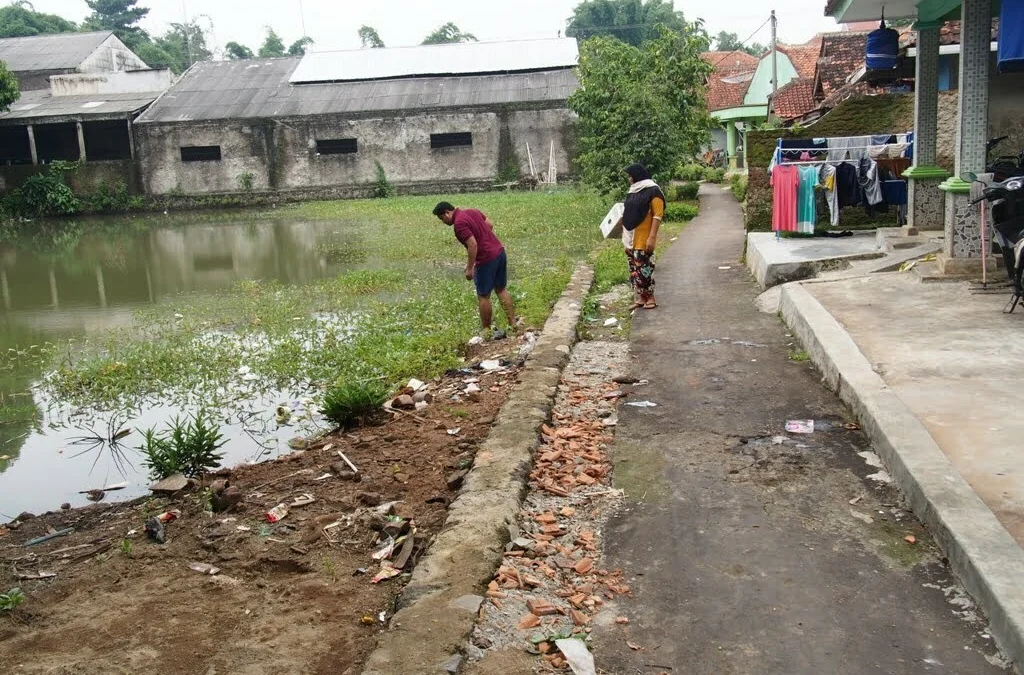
(968, 176)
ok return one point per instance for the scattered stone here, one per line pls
(564, 349)
(370, 498)
(170, 485)
(25, 516)
(910, 539)
(401, 478)
(421, 406)
(452, 664)
(226, 498)
(625, 379)
(423, 397)
(456, 479)
(469, 603)
(862, 516)
(403, 402)
(65, 506)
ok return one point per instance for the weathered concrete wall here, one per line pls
(125, 82)
(282, 154)
(86, 179)
(112, 56)
(1006, 111)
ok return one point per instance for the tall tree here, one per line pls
(20, 19)
(730, 42)
(299, 47)
(631, 21)
(369, 37)
(238, 52)
(273, 45)
(9, 92)
(448, 34)
(640, 104)
(185, 44)
(120, 16)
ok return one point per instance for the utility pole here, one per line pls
(302, 17)
(187, 29)
(775, 61)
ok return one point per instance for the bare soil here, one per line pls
(288, 598)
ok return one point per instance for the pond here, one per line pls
(62, 292)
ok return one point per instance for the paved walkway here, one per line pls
(745, 552)
(954, 359)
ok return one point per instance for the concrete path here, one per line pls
(776, 261)
(745, 552)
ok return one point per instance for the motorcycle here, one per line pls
(1003, 167)
(1007, 200)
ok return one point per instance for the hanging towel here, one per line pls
(806, 213)
(1011, 36)
(827, 181)
(785, 184)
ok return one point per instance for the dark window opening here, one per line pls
(56, 142)
(213, 262)
(14, 148)
(200, 153)
(458, 139)
(107, 140)
(337, 146)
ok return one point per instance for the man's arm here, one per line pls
(470, 257)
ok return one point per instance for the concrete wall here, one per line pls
(86, 179)
(1006, 111)
(124, 82)
(110, 57)
(281, 155)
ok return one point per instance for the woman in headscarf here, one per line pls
(645, 208)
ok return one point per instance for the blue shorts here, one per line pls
(491, 276)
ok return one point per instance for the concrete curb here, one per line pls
(980, 551)
(441, 602)
(772, 274)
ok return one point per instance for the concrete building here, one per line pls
(938, 200)
(80, 95)
(434, 117)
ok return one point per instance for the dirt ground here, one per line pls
(289, 597)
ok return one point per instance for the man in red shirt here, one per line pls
(486, 262)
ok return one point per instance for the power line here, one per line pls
(744, 42)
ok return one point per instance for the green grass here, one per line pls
(405, 311)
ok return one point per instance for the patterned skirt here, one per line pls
(641, 272)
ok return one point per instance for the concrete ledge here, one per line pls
(980, 551)
(440, 604)
(777, 261)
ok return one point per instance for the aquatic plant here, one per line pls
(350, 404)
(187, 447)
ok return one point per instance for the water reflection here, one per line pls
(87, 279)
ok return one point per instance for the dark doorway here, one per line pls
(107, 140)
(56, 142)
(14, 147)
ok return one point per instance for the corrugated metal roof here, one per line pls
(449, 59)
(62, 51)
(39, 104)
(214, 90)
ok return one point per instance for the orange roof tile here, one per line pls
(794, 99)
(803, 57)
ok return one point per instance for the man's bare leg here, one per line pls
(485, 311)
(508, 305)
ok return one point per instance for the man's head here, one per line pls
(446, 212)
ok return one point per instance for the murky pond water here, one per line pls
(56, 290)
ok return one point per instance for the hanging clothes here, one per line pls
(785, 184)
(847, 185)
(1011, 36)
(895, 165)
(806, 212)
(827, 181)
(868, 178)
(853, 147)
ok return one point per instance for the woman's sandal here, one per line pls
(650, 304)
(635, 305)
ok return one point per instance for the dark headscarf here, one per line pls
(638, 204)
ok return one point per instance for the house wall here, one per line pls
(110, 57)
(125, 82)
(761, 86)
(281, 155)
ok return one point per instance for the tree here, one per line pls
(448, 34)
(9, 92)
(631, 21)
(640, 104)
(21, 20)
(238, 52)
(370, 38)
(185, 44)
(730, 42)
(120, 16)
(299, 47)
(273, 46)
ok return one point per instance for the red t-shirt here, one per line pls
(470, 223)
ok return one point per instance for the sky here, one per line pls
(333, 23)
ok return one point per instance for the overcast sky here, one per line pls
(333, 23)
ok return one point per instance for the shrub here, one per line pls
(351, 404)
(107, 199)
(686, 191)
(45, 194)
(680, 212)
(713, 175)
(509, 171)
(245, 181)
(187, 447)
(690, 172)
(382, 188)
(738, 184)
(10, 600)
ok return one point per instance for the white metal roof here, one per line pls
(464, 58)
(61, 51)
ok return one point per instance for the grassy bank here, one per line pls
(401, 309)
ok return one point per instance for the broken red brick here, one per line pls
(578, 617)
(584, 566)
(529, 621)
(541, 607)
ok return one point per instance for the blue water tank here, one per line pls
(883, 49)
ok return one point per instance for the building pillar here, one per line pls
(101, 287)
(81, 141)
(32, 144)
(962, 245)
(926, 203)
(730, 142)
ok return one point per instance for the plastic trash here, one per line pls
(579, 657)
(800, 426)
(277, 513)
(643, 404)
